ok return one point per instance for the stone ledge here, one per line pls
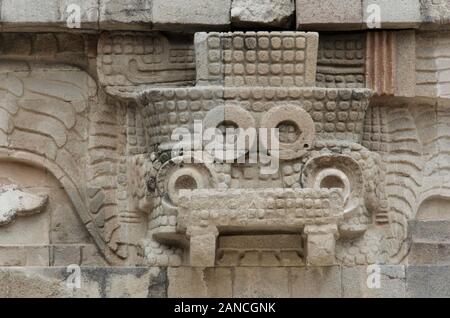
(427, 281)
(298, 282)
(47, 15)
(96, 282)
(332, 15)
(187, 15)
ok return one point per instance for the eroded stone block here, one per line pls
(257, 282)
(324, 15)
(427, 281)
(179, 14)
(398, 14)
(69, 14)
(311, 282)
(15, 202)
(132, 14)
(375, 281)
(185, 282)
(274, 13)
(95, 282)
(30, 11)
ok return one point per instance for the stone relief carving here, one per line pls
(110, 145)
(14, 202)
(98, 168)
(128, 60)
(321, 135)
(340, 61)
(435, 11)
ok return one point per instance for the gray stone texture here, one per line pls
(317, 15)
(428, 281)
(398, 14)
(52, 282)
(179, 14)
(131, 14)
(86, 177)
(329, 15)
(268, 13)
(357, 282)
(29, 14)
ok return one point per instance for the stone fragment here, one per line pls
(15, 202)
(253, 13)
(435, 13)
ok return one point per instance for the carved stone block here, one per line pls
(329, 15)
(199, 13)
(257, 58)
(321, 244)
(278, 13)
(399, 14)
(115, 14)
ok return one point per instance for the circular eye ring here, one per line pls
(236, 117)
(333, 173)
(297, 116)
(197, 171)
(186, 172)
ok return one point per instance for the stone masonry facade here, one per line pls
(106, 176)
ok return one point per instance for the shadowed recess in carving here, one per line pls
(434, 209)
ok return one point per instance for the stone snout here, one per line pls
(204, 215)
(15, 202)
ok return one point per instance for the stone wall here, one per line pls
(95, 96)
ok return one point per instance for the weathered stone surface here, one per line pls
(51, 282)
(429, 254)
(65, 255)
(435, 13)
(405, 63)
(117, 14)
(363, 281)
(340, 60)
(427, 281)
(399, 14)
(274, 13)
(432, 76)
(329, 15)
(47, 14)
(19, 11)
(90, 120)
(179, 14)
(15, 202)
(188, 282)
(313, 282)
(260, 282)
(430, 242)
(430, 231)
